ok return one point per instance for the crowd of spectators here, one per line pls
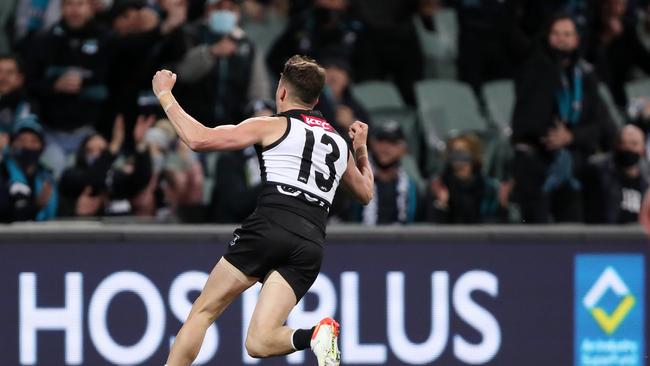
(82, 135)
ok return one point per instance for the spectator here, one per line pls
(34, 17)
(615, 48)
(558, 122)
(175, 190)
(96, 185)
(643, 26)
(617, 181)
(489, 41)
(339, 106)
(221, 70)
(396, 196)
(337, 102)
(13, 99)
(639, 115)
(27, 189)
(66, 71)
(463, 194)
(142, 43)
(319, 31)
(532, 15)
(388, 46)
(238, 181)
(102, 11)
(437, 28)
(264, 21)
(7, 12)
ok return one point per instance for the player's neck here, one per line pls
(294, 105)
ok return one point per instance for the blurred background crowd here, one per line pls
(480, 111)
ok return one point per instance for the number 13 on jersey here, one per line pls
(326, 142)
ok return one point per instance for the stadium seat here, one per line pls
(496, 153)
(607, 98)
(439, 47)
(378, 95)
(448, 107)
(499, 96)
(638, 88)
(264, 34)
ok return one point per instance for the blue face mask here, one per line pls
(222, 21)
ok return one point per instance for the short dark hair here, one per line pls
(558, 17)
(306, 77)
(14, 58)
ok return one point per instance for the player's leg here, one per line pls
(267, 335)
(224, 285)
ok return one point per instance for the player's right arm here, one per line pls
(358, 177)
(198, 137)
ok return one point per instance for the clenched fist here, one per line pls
(358, 133)
(164, 80)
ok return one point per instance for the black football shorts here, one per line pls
(276, 239)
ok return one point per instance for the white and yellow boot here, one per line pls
(324, 342)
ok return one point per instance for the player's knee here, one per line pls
(257, 343)
(252, 349)
(256, 348)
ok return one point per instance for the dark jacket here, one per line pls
(315, 33)
(470, 202)
(605, 200)
(234, 195)
(220, 96)
(50, 56)
(19, 193)
(134, 60)
(395, 201)
(615, 61)
(328, 106)
(103, 178)
(536, 110)
(13, 105)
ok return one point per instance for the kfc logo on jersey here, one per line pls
(313, 121)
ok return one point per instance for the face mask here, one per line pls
(222, 21)
(26, 158)
(459, 156)
(626, 159)
(562, 55)
(386, 166)
(90, 160)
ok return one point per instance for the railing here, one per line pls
(125, 232)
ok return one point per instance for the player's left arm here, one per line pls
(358, 176)
(199, 137)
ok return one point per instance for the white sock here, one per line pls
(292, 345)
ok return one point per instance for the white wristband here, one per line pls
(159, 95)
(168, 106)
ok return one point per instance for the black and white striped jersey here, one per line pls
(308, 161)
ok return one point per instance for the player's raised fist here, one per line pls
(163, 81)
(358, 133)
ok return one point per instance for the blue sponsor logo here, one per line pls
(609, 310)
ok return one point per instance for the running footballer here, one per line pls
(302, 160)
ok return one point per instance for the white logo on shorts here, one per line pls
(234, 240)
